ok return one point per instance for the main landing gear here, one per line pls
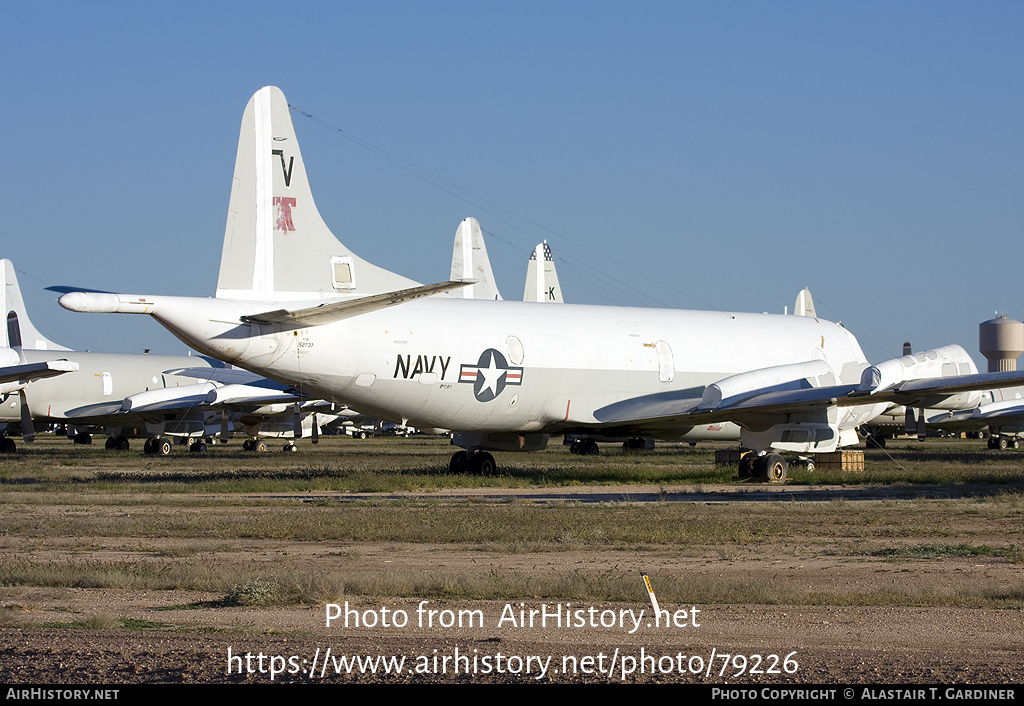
(1003, 442)
(584, 447)
(118, 443)
(769, 467)
(479, 463)
(157, 446)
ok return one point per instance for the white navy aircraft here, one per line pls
(294, 304)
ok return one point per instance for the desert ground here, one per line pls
(224, 567)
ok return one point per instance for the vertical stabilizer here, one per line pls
(804, 304)
(541, 278)
(276, 246)
(18, 329)
(470, 261)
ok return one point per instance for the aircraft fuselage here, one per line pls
(101, 379)
(504, 366)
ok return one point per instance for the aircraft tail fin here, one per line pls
(276, 246)
(19, 331)
(470, 262)
(541, 277)
(805, 304)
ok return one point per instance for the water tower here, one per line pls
(1001, 340)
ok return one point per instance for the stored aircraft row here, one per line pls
(134, 395)
(296, 305)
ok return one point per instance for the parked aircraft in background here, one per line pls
(998, 412)
(135, 395)
(541, 277)
(88, 395)
(295, 304)
(470, 263)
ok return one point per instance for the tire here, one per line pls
(774, 468)
(8, 446)
(483, 464)
(748, 465)
(162, 447)
(459, 462)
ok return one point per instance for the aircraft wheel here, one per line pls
(109, 446)
(147, 448)
(290, 447)
(198, 448)
(482, 464)
(259, 446)
(162, 447)
(1003, 443)
(459, 462)
(121, 443)
(590, 448)
(1014, 443)
(576, 447)
(83, 438)
(8, 446)
(774, 468)
(748, 464)
(810, 465)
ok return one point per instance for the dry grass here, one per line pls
(230, 523)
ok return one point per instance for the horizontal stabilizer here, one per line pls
(64, 289)
(36, 371)
(336, 311)
(227, 376)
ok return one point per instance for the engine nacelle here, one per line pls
(167, 395)
(947, 361)
(735, 388)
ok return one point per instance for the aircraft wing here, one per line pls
(36, 371)
(772, 400)
(996, 414)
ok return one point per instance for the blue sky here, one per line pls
(681, 154)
